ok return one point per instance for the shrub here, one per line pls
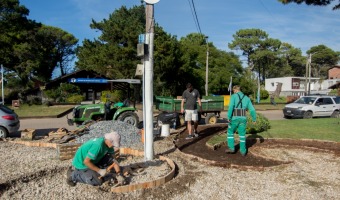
(264, 94)
(75, 99)
(63, 92)
(115, 96)
(34, 100)
(262, 124)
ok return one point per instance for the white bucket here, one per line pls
(165, 132)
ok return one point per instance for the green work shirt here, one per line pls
(95, 149)
(246, 104)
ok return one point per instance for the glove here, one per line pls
(102, 172)
(120, 179)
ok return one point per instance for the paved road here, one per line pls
(46, 125)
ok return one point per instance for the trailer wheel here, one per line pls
(211, 119)
(129, 118)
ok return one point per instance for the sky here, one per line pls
(300, 25)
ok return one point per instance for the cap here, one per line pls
(114, 138)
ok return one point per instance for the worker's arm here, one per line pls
(115, 166)
(199, 103)
(90, 165)
(231, 107)
(182, 106)
(251, 111)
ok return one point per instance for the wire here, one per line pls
(194, 14)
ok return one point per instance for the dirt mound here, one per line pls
(257, 157)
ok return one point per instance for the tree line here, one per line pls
(31, 51)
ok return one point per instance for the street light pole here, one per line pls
(207, 68)
(309, 71)
(148, 82)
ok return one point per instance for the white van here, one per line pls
(313, 106)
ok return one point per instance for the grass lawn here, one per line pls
(40, 110)
(316, 128)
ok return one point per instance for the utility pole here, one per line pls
(2, 85)
(148, 82)
(309, 71)
(306, 77)
(207, 68)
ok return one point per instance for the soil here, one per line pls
(197, 148)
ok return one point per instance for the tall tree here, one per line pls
(222, 65)
(322, 59)
(114, 52)
(248, 40)
(291, 61)
(54, 49)
(265, 57)
(16, 34)
(313, 2)
(31, 51)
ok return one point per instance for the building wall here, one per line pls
(295, 86)
(334, 73)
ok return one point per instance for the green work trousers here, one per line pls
(239, 124)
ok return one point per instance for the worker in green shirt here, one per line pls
(239, 104)
(91, 160)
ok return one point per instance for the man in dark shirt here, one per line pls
(190, 96)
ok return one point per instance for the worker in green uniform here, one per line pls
(92, 159)
(239, 104)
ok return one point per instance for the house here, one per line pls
(334, 72)
(92, 84)
(299, 86)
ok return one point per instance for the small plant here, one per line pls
(262, 124)
(75, 99)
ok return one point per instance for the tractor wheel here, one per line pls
(308, 115)
(210, 119)
(129, 117)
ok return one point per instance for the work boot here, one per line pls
(189, 137)
(229, 151)
(69, 180)
(244, 154)
(196, 134)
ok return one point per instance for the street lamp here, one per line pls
(206, 68)
(148, 81)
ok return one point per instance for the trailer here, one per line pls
(212, 106)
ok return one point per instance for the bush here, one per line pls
(264, 94)
(34, 100)
(75, 99)
(262, 124)
(63, 92)
(115, 96)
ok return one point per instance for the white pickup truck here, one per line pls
(313, 106)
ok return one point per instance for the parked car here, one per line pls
(313, 106)
(9, 121)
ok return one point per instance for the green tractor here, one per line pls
(83, 114)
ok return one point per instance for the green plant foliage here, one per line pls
(264, 94)
(262, 124)
(63, 92)
(34, 100)
(114, 96)
(75, 98)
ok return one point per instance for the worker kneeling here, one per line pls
(94, 159)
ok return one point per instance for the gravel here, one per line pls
(35, 172)
(130, 135)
